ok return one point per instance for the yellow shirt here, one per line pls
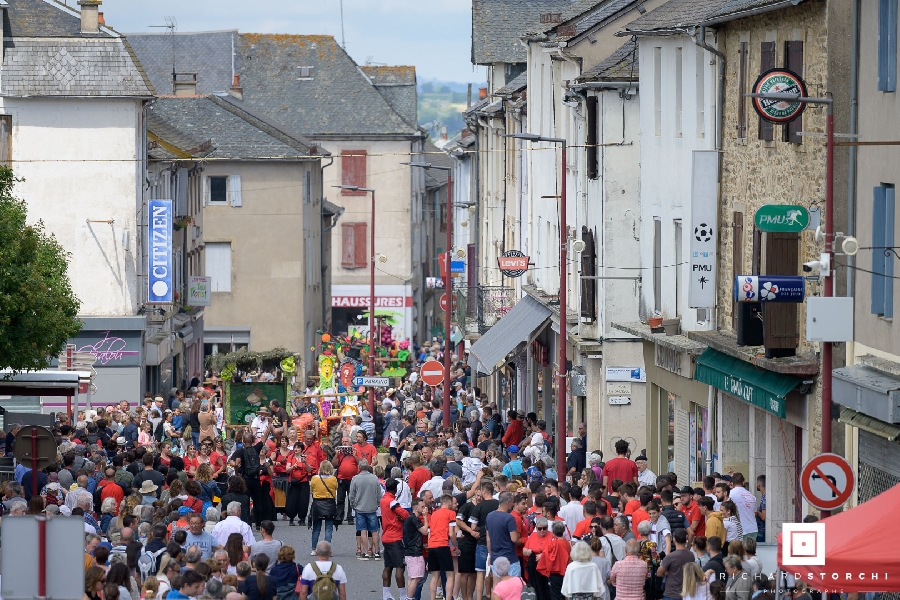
(323, 486)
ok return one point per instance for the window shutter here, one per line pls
(743, 71)
(766, 62)
(887, 45)
(353, 171)
(781, 327)
(889, 260)
(360, 255)
(204, 196)
(588, 269)
(348, 231)
(591, 138)
(234, 189)
(793, 59)
(737, 252)
(878, 258)
(6, 140)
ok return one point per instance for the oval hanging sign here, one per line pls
(513, 263)
(779, 81)
(782, 218)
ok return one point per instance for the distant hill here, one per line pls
(441, 103)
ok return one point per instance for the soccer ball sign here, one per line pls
(703, 232)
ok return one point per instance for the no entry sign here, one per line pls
(827, 481)
(432, 373)
(444, 302)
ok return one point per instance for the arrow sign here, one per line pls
(372, 381)
(444, 302)
(432, 373)
(827, 481)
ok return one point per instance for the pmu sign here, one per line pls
(769, 288)
(160, 286)
(781, 218)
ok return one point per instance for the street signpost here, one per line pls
(444, 302)
(432, 373)
(32, 567)
(769, 288)
(782, 218)
(827, 481)
(372, 381)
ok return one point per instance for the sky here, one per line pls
(432, 35)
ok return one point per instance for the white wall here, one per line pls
(666, 161)
(79, 161)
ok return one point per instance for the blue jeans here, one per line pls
(195, 437)
(421, 585)
(317, 528)
(367, 522)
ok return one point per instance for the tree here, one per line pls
(38, 309)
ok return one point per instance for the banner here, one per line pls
(160, 285)
(199, 288)
(704, 194)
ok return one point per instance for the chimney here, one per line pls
(185, 84)
(90, 15)
(101, 19)
(444, 133)
(236, 90)
(482, 93)
(469, 97)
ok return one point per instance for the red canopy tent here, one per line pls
(858, 557)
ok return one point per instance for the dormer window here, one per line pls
(304, 73)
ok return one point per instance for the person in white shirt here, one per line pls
(645, 475)
(260, 424)
(323, 563)
(404, 492)
(745, 501)
(436, 484)
(573, 512)
(233, 524)
(659, 529)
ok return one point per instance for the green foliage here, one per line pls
(38, 309)
(248, 360)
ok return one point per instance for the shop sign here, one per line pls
(363, 301)
(199, 290)
(779, 81)
(782, 218)
(618, 388)
(160, 287)
(668, 359)
(769, 288)
(754, 395)
(702, 232)
(513, 263)
(110, 348)
(632, 374)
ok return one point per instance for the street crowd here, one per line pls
(173, 508)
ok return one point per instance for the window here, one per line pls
(743, 73)
(304, 73)
(882, 236)
(588, 269)
(353, 171)
(311, 262)
(307, 187)
(218, 190)
(887, 45)
(657, 265)
(679, 258)
(657, 89)
(766, 63)
(591, 138)
(701, 92)
(793, 61)
(678, 90)
(6, 140)
(218, 265)
(353, 255)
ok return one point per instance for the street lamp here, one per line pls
(447, 285)
(563, 325)
(372, 341)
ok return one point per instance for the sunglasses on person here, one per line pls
(541, 528)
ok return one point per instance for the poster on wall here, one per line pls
(160, 285)
(703, 232)
(633, 374)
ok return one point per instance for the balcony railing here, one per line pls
(479, 308)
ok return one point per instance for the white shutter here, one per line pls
(218, 265)
(234, 189)
(205, 194)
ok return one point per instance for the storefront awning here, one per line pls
(515, 327)
(763, 389)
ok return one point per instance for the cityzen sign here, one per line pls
(363, 301)
(159, 259)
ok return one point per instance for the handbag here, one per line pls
(312, 513)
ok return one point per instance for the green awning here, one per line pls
(763, 389)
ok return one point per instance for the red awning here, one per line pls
(858, 557)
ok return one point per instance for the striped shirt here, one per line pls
(628, 576)
(369, 428)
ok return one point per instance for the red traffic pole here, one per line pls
(829, 247)
(372, 313)
(448, 344)
(563, 326)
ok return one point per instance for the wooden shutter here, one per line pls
(353, 171)
(588, 269)
(889, 260)
(887, 45)
(882, 266)
(793, 61)
(360, 255)
(348, 233)
(737, 252)
(781, 327)
(766, 62)
(591, 138)
(234, 190)
(743, 71)
(6, 140)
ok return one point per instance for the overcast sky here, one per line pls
(433, 35)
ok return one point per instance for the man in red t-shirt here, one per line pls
(640, 514)
(363, 449)
(584, 527)
(515, 431)
(347, 466)
(621, 467)
(419, 474)
(440, 538)
(392, 518)
(110, 489)
(691, 512)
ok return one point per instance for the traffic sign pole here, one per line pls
(827, 481)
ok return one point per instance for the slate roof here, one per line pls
(167, 142)
(498, 25)
(478, 106)
(621, 65)
(597, 15)
(232, 135)
(436, 156)
(44, 18)
(732, 9)
(675, 14)
(397, 85)
(518, 83)
(208, 54)
(390, 75)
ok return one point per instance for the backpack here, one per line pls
(324, 587)
(251, 462)
(159, 432)
(148, 562)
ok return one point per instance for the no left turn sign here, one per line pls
(827, 481)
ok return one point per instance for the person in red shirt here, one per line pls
(392, 518)
(515, 431)
(110, 489)
(520, 506)
(440, 537)
(627, 502)
(303, 464)
(621, 467)
(419, 474)
(584, 527)
(191, 462)
(640, 514)
(691, 512)
(552, 562)
(346, 467)
(363, 449)
(534, 547)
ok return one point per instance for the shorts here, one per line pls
(415, 567)
(393, 555)
(515, 568)
(481, 553)
(367, 522)
(465, 562)
(440, 559)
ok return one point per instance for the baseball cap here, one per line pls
(513, 449)
(641, 457)
(449, 452)
(687, 490)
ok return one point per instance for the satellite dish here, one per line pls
(850, 245)
(578, 246)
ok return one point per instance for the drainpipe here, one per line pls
(720, 98)
(854, 118)
(334, 223)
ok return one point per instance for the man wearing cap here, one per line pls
(515, 431)
(368, 426)
(645, 475)
(513, 468)
(691, 511)
(261, 424)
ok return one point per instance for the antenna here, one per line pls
(343, 40)
(171, 25)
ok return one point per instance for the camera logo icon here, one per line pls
(803, 544)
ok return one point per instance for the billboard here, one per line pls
(160, 276)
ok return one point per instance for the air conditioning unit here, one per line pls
(749, 324)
